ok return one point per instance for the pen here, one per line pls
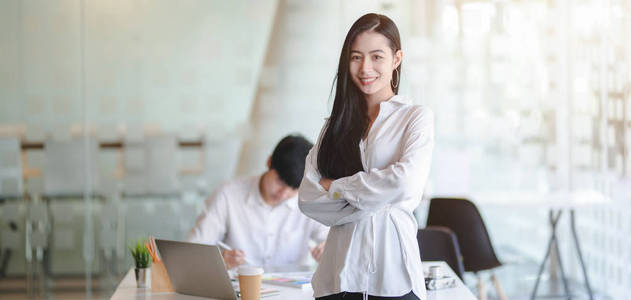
(225, 246)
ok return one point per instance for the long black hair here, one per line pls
(339, 154)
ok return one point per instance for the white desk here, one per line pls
(127, 290)
(556, 203)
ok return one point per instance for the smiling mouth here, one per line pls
(368, 80)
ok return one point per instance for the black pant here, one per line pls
(360, 296)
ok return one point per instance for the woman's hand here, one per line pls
(326, 183)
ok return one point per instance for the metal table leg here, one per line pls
(552, 244)
(554, 220)
(580, 255)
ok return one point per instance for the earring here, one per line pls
(394, 86)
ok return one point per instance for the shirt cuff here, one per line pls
(337, 191)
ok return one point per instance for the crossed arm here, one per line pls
(349, 199)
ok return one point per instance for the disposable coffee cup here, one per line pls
(434, 272)
(250, 282)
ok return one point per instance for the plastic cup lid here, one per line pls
(249, 271)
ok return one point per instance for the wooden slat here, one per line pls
(113, 144)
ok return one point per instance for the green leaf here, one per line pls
(141, 254)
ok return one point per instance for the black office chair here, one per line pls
(463, 217)
(440, 243)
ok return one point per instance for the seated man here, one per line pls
(259, 216)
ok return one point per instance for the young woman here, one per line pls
(366, 174)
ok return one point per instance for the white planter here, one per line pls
(143, 277)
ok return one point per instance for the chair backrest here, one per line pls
(65, 170)
(463, 217)
(440, 243)
(10, 167)
(221, 159)
(151, 166)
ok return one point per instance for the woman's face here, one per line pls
(372, 63)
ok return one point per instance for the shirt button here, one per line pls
(336, 195)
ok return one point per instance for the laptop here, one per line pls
(196, 269)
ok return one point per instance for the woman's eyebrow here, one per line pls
(373, 51)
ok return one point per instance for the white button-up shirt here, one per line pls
(372, 246)
(269, 235)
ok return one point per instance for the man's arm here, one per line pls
(318, 234)
(210, 226)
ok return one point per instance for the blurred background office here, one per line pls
(117, 118)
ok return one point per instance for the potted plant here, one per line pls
(142, 259)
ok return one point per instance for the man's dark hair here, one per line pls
(289, 157)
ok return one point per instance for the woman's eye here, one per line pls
(355, 57)
(377, 57)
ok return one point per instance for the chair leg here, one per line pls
(481, 287)
(498, 287)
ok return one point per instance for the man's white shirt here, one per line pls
(372, 246)
(269, 235)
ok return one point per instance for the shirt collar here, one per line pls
(394, 101)
(292, 203)
(389, 106)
